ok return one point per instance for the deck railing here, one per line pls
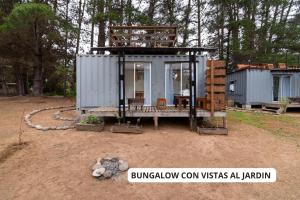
(142, 36)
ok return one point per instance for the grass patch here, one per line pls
(279, 125)
(254, 119)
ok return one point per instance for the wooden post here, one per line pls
(155, 119)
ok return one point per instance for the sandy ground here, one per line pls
(56, 164)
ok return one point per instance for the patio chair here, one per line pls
(161, 104)
(136, 103)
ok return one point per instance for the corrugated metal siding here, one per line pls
(97, 77)
(295, 85)
(255, 86)
(240, 78)
(259, 86)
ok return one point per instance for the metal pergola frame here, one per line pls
(192, 52)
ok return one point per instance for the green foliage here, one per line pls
(26, 15)
(283, 103)
(283, 126)
(33, 36)
(92, 119)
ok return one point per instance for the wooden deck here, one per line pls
(277, 105)
(152, 111)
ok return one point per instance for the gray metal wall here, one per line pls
(295, 81)
(97, 77)
(255, 86)
(259, 86)
(240, 79)
(295, 85)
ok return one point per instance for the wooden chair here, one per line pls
(136, 102)
(201, 103)
(161, 103)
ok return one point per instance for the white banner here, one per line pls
(201, 175)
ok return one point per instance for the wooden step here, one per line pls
(213, 131)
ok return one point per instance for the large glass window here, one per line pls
(281, 87)
(176, 81)
(138, 81)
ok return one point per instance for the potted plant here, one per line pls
(91, 123)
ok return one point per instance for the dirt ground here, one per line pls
(56, 164)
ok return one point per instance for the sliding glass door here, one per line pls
(281, 87)
(138, 81)
(176, 81)
(286, 90)
(276, 82)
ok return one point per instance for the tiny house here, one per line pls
(142, 74)
(262, 86)
(147, 76)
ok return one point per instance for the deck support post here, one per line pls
(121, 66)
(193, 90)
(155, 119)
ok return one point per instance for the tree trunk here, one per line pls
(234, 28)
(38, 83)
(151, 10)
(199, 2)
(101, 35)
(186, 24)
(3, 81)
(93, 23)
(129, 14)
(19, 80)
(79, 22)
(288, 11)
(271, 32)
(253, 26)
(80, 18)
(55, 6)
(222, 19)
(228, 51)
(262, 46)
(169, 6)
(66, 47)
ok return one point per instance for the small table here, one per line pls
(181, 100)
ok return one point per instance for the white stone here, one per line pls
(38, 127)
(97, 166)
(34, 111)
(123, 165)
(98, 172)
(45, 128)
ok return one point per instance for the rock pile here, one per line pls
(108, 167)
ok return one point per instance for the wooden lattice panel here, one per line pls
(215, 85)
(142, 36)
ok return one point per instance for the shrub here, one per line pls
(283, 103)
(92, 119)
